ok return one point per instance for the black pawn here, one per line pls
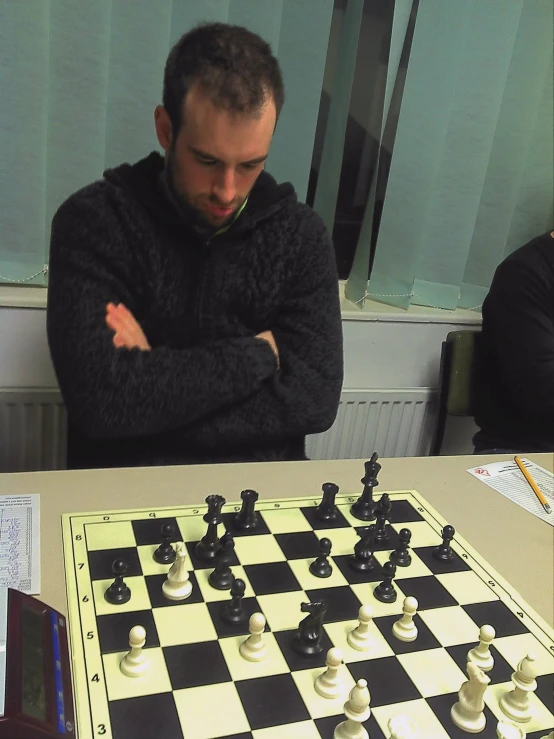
(444, 552)
(321, 567)
(326, 510)
(165, 554)
(363, 560)
(118, 592)
(401, 556)
(233, 612)
(385, 591)
(247, 518)
(207, 547)
(382, 513)
(222, 577)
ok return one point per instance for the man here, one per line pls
(515, 395)
(193, 310)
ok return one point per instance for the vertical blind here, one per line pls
(79, 82)
(471, 174)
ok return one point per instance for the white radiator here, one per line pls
(33, 430)
(394, 423)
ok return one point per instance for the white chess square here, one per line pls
(155, 679)
(257, 550)
(195, 707)
(317, 705)
(467, 587)
(451, 625)
(307, 581)
(242, 669)
(419, 711)
(139, 601)
(298, 730)
(433, 671)
(542, 719)
(109, 535)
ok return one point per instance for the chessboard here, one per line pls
(198, 684)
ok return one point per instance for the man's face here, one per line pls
(214, 161)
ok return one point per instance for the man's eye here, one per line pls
(249, 166)
(206, 162)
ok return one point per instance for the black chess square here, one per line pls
(149, 530)
(114, 628)
(200, 564)
(545, 691)
(191, 665)
(154, 585)
(297, 661)
(428, 591)
(144, 717)
(496, 613)
(247, 735)
(273, 577)
(353, 576)
(339, 522)
(342, 603)
(425, 637)
(271, 701)
(300, 545)
(501, 671)
(228, 522)
(441, 568)
(403, 512)
(223, 629)
(441, 705)
(100, 562)
(387, 680)
(326, 727)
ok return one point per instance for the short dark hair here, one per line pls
(233, 65)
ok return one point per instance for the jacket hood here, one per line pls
(141, 181)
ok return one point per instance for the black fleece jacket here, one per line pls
(515, 393)
(208, 391)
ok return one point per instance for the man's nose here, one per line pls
(224, 187)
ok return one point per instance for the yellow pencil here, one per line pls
(533, 484)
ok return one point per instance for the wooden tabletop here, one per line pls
(517, 544)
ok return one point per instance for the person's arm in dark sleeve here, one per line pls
(109, 392)
(303, 398)
(518, 318)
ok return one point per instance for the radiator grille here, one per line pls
(392, 423)
(33, 428)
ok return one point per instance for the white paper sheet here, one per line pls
(20, 542)
(508, 479)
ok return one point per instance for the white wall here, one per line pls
(381, 351)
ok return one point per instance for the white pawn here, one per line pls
(405, 628)
(253, 649)
(135, 663)
(468, 712)
(481, 654)
(360, 638)
(328, 684)
(516, 703)
(507, 730)
(356, 710)
(402, 727)
(178, 585)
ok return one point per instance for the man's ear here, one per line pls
(164, 129)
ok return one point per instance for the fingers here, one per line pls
(128, 333)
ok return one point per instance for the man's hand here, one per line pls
(268, 336)
(128, 333)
